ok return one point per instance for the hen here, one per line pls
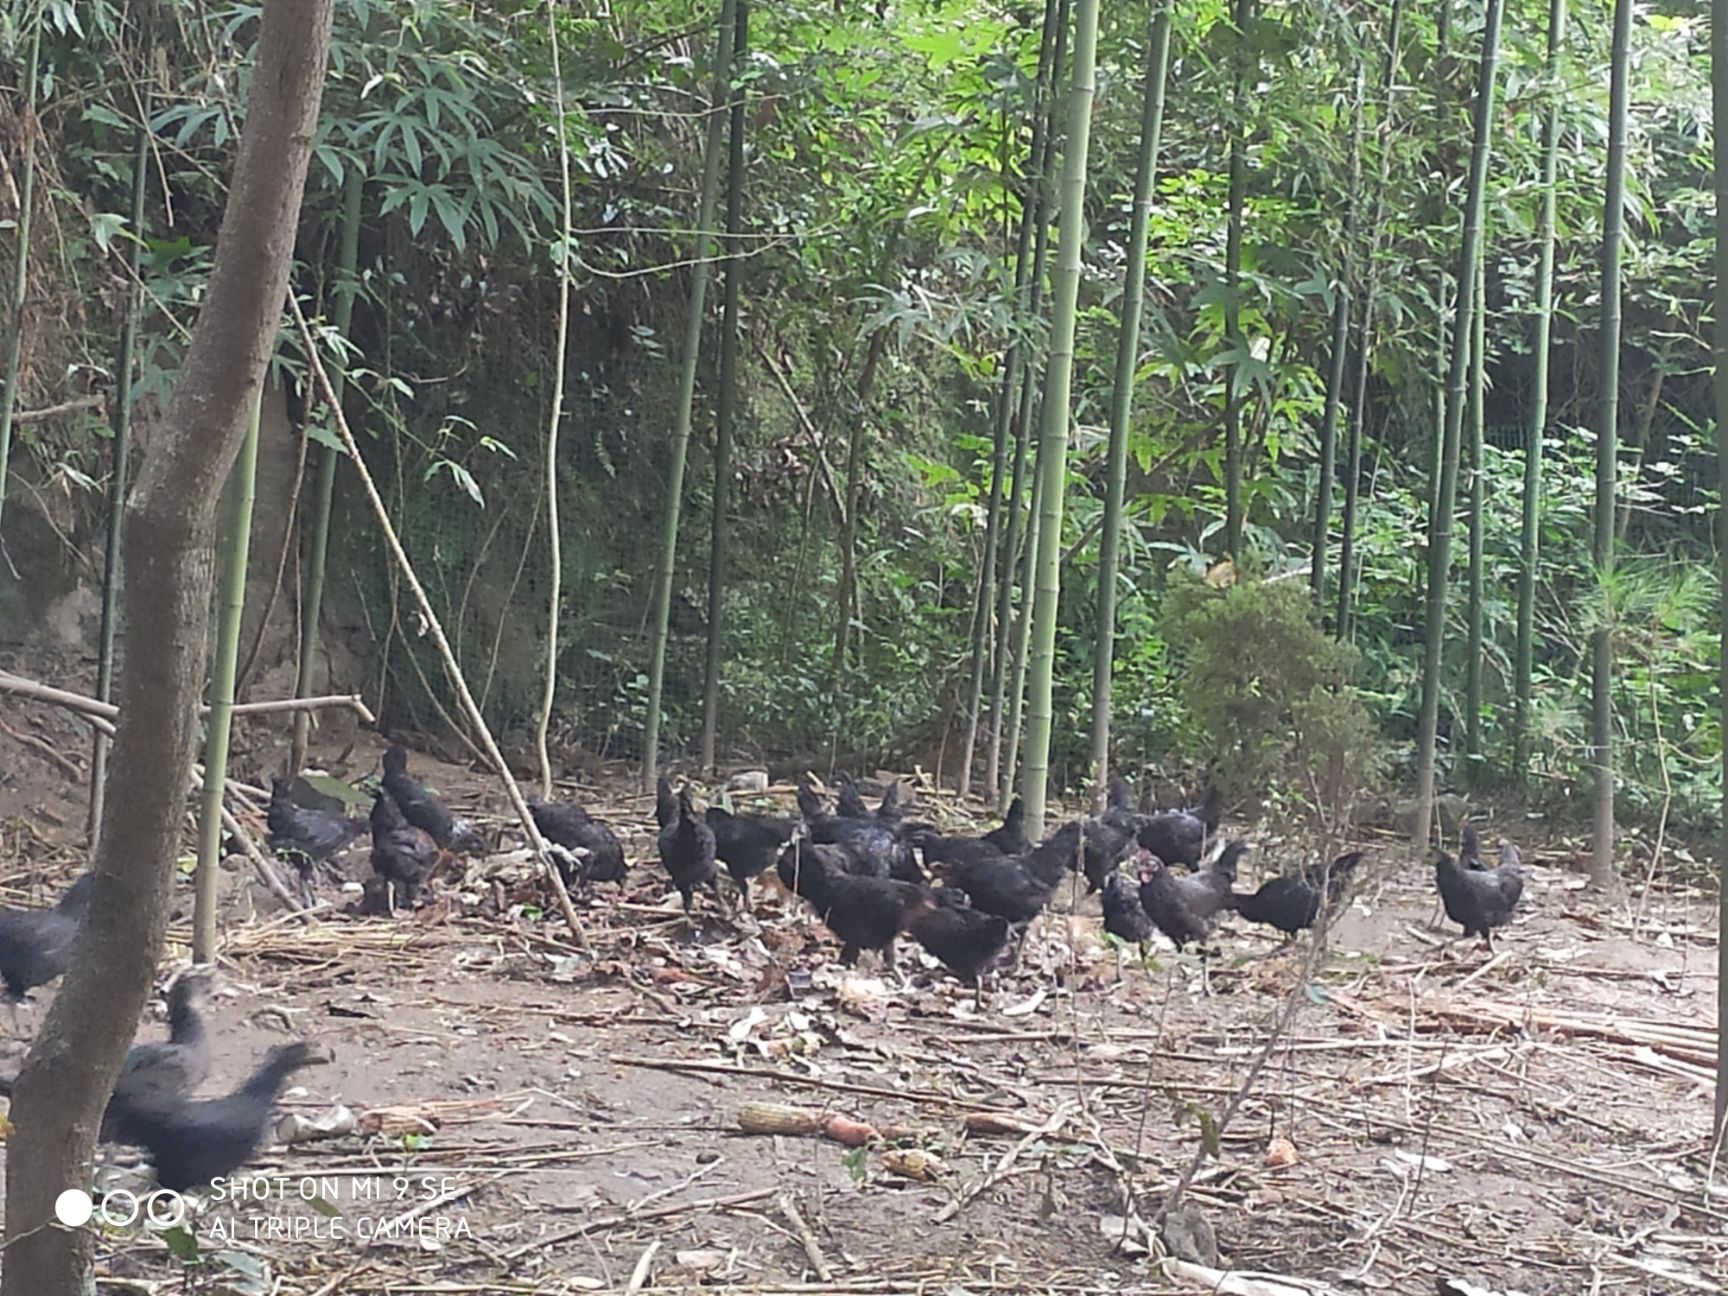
(964, 940)
(687, 850)
(1184, 906)
(191, 1143)
(1124, 916)
(748, 845)
(313, 831)
(876, 846)
(404, 856)
(1018, 887)
(1292, 904)
(1179, 836)
(665, 803)
(36, 944)
(803, 863)
(422, 808)
(1109, 835)
(866, 913)
(848, 801)
(1010, 838)
(1478, 900)
(567, 824)
(162, 1071)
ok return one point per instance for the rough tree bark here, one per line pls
(165, 606)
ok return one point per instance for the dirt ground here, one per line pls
(535, 1117)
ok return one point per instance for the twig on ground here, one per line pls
(806, 1238)
(639, 1275)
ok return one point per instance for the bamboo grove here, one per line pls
(1037, 336)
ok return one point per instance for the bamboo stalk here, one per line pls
(555, 576)
(220, 724)
(347, 286)
(122, 424)
(21, 256)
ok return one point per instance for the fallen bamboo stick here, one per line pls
(10, 683)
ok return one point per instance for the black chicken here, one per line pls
(1124, 916)
(1184, 906)
(876, 847)
(803, 863)
(163, 1071)
(567, 824)
(191, 1143)
(1109, 835)
(1010, 838)
(316, 832)
(1179, 836)
(964, 940)
(848, 801)
(1292, 904)
(950, 852)
(421, 807)
(747, 844)
(1017, 887)
(866, 913)
(687, 850)
(403, 855)
(665, 802)
(1478, 900)
(36, 944)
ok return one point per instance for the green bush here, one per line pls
(1272, 694)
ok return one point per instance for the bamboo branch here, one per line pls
(54, 411)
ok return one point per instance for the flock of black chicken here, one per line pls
(869, 875)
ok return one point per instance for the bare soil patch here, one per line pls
(534, 1118)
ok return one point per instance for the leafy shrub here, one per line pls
(1272, 693)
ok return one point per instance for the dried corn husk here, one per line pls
(914, 1163)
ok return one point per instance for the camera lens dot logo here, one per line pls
(165, 1208)
(120, 1209)
(73, 1208)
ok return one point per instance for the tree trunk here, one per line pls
(723, 416)
(1473, 615)
(21, 256)
(1531, 540)
(1122, 396)
(347, 286)
(220, 723)
(1233, 506)
(1365, 334)
(1440, 515)
(124, 368)
(1607, 438)
(1347, 271)
(686, 395)
(1022, 640)
(982, 636)
(165, 605)
(1007, 634)
(560, 361)
(1055, 416)
(1719, 101)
